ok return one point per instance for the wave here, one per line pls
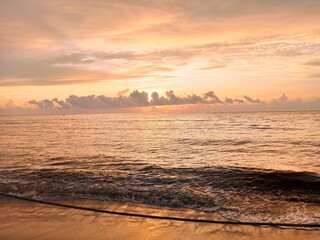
(236, 192)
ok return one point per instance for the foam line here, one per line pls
(161, 217)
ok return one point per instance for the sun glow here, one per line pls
(160, 47)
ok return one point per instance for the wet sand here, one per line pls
(24, 220)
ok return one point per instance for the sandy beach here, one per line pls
(23, 220)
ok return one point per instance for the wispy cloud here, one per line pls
(55, 48)
(315, 63)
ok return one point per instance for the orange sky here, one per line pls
(57, 48)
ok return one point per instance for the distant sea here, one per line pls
(253, 166)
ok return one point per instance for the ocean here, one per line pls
(250, 166)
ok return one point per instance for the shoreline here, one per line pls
(25, 220)
(148, 211)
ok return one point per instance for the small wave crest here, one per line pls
(237, 193)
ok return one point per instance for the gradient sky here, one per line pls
(257, 48)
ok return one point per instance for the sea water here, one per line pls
(252, 166)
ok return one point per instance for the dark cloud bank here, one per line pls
(133, 99)
(136, 99)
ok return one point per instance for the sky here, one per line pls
(75, 55)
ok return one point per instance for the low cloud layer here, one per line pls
(142, 99)
(133, 99)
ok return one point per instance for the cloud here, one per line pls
(41, 68)
(123, 92)
(138, 43)
(141, 99)
(52, 23)
(75, 68)
(44, 104)
(138, 100)
(73, 58)
(315, 63)
(281, 99)
(134, 99)
(152, 68)
(315, 75)
(213, 66)
(231, 101)
(154, 55)
(212, 97)
(115, 55)
(11, 104)
(32, 69)
(251, 100)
